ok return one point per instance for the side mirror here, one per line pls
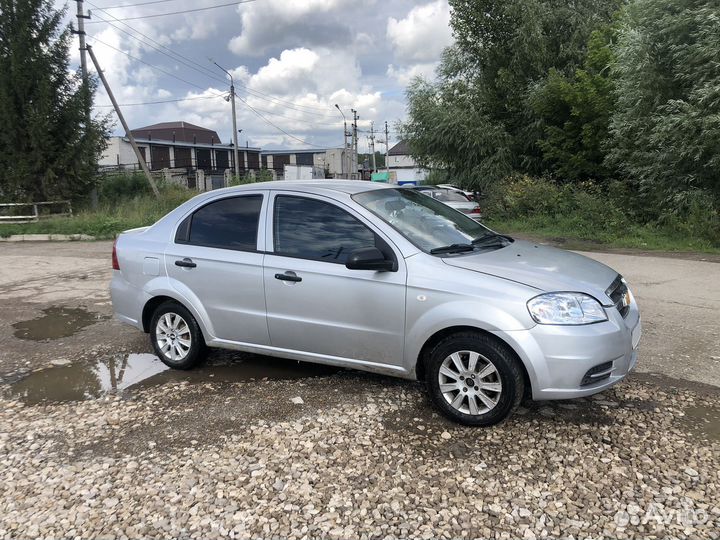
(368, 259)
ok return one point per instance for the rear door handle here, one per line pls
(186, 263)
(288, 276)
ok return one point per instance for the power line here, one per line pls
(176, 58)
(179, 12)
(202, 69)
(138, 4)
(152, 66)
(162, 101)
(215, 78)
(276, 126)
(200, 87)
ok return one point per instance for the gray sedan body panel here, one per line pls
(333, 303)
(376, 321)
(543, 267)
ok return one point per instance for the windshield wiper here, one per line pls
(492, 239)
(452, 248)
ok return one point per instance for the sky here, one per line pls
(292, 61)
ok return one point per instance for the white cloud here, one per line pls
(423, 34)
(271, 24)
(298, 59)
(290, 73)
(404, 75)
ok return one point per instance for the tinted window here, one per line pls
(228, 223)
(312, 229)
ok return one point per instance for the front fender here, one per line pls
(460, 313)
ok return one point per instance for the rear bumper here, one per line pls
(127, 300)
(566, 362)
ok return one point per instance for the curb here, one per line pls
(46, 237)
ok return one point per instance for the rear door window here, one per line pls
(230, 223)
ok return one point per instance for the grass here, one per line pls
(641, 237)
(108, 219)
(112, 218)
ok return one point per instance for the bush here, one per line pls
(601, 213)
(694, 217)
(114, 187)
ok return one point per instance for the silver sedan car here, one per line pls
(382, 279)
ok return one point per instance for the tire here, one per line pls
(496, 380)
(176, 336)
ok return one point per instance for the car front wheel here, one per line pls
(176, 336)
(473, 379)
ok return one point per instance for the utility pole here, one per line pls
(343, 163)
(236, 153)
(387, 146)
(372, 145)
(128, 133)
(86, 80)
(354, 157)
(81, 34)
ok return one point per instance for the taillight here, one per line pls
(476, 210)
(115, 263)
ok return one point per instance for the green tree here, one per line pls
(665, 131)
(575, 113)
(49, 146)
(478, 117)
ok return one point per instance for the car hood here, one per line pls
(545, 268)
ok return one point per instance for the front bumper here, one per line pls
(560, 359)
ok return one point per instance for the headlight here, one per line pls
(566, 308)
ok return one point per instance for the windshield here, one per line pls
(427, 223)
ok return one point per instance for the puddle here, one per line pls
(704, 421)
(56, 323)
(86, 380)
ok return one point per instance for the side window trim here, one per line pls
(271, 217)
(260, 238)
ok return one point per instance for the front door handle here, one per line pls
(288, 276)
(186, 263)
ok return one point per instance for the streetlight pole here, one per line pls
(343, 164)
(354, 156)
(236, 153)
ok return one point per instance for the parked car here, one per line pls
(469, 194)
(454, 199)
(382, 279)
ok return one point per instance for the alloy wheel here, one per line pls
(470, 382)
(173, 337)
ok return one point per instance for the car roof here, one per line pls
(350, 187)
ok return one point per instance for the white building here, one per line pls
(403, 165)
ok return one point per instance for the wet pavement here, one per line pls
(117, 373)
(55, 323)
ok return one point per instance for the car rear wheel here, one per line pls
(473, 379)
(176, 336)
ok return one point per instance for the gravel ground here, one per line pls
(208, 453)
(361, 457)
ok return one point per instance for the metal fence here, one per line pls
(20, 212)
